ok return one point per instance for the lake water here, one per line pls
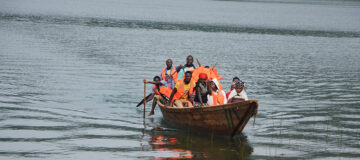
(71, 75)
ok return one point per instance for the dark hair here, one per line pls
(190, 56)
(236, 78)
(156, 77)
(169, 60)
(188, 72)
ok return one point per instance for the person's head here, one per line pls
(239, 86)
(169, 63)
(202, 77)
(188, 76)
(236, 79)
(189, 60)
(213, 86)
(156, 79)
(191, 97)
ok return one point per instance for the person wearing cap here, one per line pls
(239, 93)
(201, 90)
(216, 95)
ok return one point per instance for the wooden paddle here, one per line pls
(197, 60)
(144, 98)
(214, 65)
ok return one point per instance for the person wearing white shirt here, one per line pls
(238, 94)
(216, 95)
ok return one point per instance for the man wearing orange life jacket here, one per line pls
(216, 94)
(160, 92)
(182, 90)
(169, 74)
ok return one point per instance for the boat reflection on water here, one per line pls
(180, 144)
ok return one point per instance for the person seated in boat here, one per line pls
(182, 90)
(239, 93)
(201, 90)
(190, 102)
(170, 74)
(159, 93)
(235, 79)
(216, 95)
(189, 66)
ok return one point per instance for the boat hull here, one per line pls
(228, 119)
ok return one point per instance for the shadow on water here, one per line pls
(188, 144)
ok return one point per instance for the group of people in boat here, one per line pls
(191, 86)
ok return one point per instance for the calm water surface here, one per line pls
(71, 75)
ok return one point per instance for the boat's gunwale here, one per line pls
(239, 105)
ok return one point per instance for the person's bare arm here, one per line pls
(230, 100)
(152, 82)
(171, 96)
(199, 95)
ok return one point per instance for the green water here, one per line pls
(71, 75)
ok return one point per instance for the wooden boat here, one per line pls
(227, 119)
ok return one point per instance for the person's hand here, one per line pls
(167, 104)
(146, 81)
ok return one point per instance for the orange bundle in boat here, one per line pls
(210, 72)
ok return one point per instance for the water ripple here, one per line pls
(98, 22)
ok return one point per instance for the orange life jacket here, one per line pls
(174, 75)
(166, 91)
(210, 72)
(218, 98)
(181, 90)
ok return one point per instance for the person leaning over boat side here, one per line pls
(238, 94)
(189, 66)
(216, 95)
(235, 79)
(159, 93)
(169, 74)
(182, 90)
(201, 90)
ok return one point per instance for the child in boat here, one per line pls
(238, 94)
(216, 95)
(190, 102)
